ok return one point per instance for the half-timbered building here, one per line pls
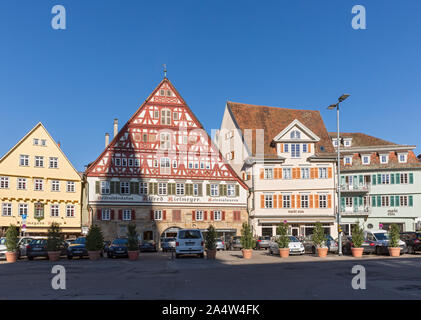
(162, 172)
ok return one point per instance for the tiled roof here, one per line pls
(273, 120)
(361, 139)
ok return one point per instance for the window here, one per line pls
(384, 158)
(156, 114)
(214, 190)
(304, 201)
(165, 142)
(175, 115)
(166, 116)
(70, 211)
(335, 142)
(127, 215)
(43, 142)
(162, 92)
(53, 163)
(268, 173)
(403, 201)
(190, 165)
(286, 203)
(6, 210)
(305, 173)
(36, 142)
(322, 173)
(157, 215)
(130, 162)
(304, 147)
(23, 209)
(347, 143)
(21, 183)
(286, 173)
(174, 164)
(70, 186)
(106, 214)
(105, 187)
(125, 187)
(385, 179)
(117, 162)
(24, 160)
(162, 189)
(143, 188)
(123, 162)
(195, 189)
(348, 161)
(202, 165)
(199, 215)
(207, 165)
(54, 210)
(322, 201)
(230, 190)
(39, 185)
(55, 185)
(137, 162)
(144, 137)
(348, 202)
(295, 150)
(268, 201)
(295, 134)
(179, 189)
(4, 183)
(217, 216)
(385, 201)
(155, 163)
(402, 157)
(404, 178)
(196, 165)
(365, 159)
(169, 94)
(286, 149)
(165, 162)
(39, 161)
(39, 210)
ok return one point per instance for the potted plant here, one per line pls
(54, 241)
(133, 242)
(12, 234)
(283, 240)
(394, 249)
(319, 240)
(94, 242)
(211, 242)
(247, 241)
(357, 240)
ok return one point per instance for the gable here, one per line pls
(300, 133)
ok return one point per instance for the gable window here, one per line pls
(384, 158)
(305, 173)
(137, 162)
(6, 210)
(402, 157)
(199, 215)
(286, 173)
(39, 185)
(70, 211)
(286, 203)
(4, 183)
(21, 183)
(166, 116)
(123, 162)
(179, 189)
(53, 163)
(268, 201)
(165, 162)
(162, 92)
(130, 162)
(70, 186)
(268, 173)
(348, 161)
(43, 142)
(117, 162)
(106, 214)
(23, 209)
(174, 164)
(155, 163)
(143, 188)
(175, 115)
(162, 189)
(54, 210)
(230, 190)
(335, 142)
(165, 142)
(295, 134)
(365, 159)
(127, 215)
(24, 160)
(36, 142)
(125, 187)
(214, 190)
(105, 187)
(39, 161)
(55, 185)
(347, 143)
(295, 150)
(157, 215)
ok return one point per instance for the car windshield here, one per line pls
(293, 239)
(189, 234)
(120, 241)
(79, 241)
(2, 241)
(219, 240)
(38, 241)
(169, 239)
(381, 236)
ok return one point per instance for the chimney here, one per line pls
(59, 144)
(115, 127)
(107, 139)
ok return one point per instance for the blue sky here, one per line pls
(298, 54)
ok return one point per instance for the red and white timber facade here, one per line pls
(162, 172)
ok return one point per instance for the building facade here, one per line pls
(380, 183)
(38, 182)
(162, 172)
(287, 159)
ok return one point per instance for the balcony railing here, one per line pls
(356, 211)
(355, 188)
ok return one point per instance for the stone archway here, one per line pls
(170, 232)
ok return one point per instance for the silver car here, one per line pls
(295, 246)
(220, 245)
(168, 244)
(3, 248)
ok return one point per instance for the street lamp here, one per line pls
(338, 216)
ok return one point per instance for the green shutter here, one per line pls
(342, 204)
(392, 200)
(189, 189)
(208, 189)
(200, 189)
(398, 178)
(361, 179)
(411, 178)
(155, 188)
(374, 179)
(361, 201)
(97, 187)
(411, 201)
(342, 181)
(112, 187)
(355, 203)
(379, 178)
(221, 189)
(150, 188)
(373, 201)
(392, 178)
(117, 186)
(397, 201)
(237, 190)
(379, 201)
(355, 182)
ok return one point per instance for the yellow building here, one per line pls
(37, 180)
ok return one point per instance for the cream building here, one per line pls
(39, 182)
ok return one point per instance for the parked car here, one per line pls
(106, 246)
(118, 248)
(235, 243)
(262, 242)
(168, 244)
(310, 247)
(412, 241)
(3, 248)
(295, 246)
(220, 244)
(347, 244)
(381, 240)
(38, 248)
(189, 241)
(148, 246)
(77, 248)
(22, 244)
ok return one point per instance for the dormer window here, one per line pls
(365, 159)
(402, 157)
(347, 142)
(295, 134)
(348, 160)
(335, 142)
(295, 150)
(384, 158)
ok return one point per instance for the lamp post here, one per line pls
(338, 216)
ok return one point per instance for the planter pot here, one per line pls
(247, 253)
(133, 255)
(94, 255)
(284, 252)
(211, 254)
(394, 252)
(11, 257)
(322, 252)
(54, 255)
(357, 252)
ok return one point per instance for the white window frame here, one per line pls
(404, 178)
(23, 209)
(24, 160)
(286, 201)
(347, 161)
(231, 190)
(165, 141)
(55, 185)
(70, 186)
(124, 187)
(287, 173)
(127, 215)
(179, 189)
(106, 214)
(55, 210)
(386, 156)
(304, 198)
(38, 185)
(322, 201)
(6, 209)
(214, 190)
(365, 156)
(157, 215)
(268, 174)
(105, 187)
(143, 188)
(295, 150)
(405, 157)
(322, 172)
(117, 162)
(39, 162)
(195, 189)
(4, 183)
(162, 188)
(217, 215)
(198, 215)
(268, 201)
(305, 173)
(70, 211)
(53, 163)
(166, 116)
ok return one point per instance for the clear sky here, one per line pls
(298, 54)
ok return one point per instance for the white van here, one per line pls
(189, 241)
(381, 241)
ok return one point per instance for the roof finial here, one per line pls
(165, 71)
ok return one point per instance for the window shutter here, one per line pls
(379, 201)
(223, 215)
(117, 187)
(312, 175)
(155, 188)
(275, 201)
(392, 178)
(292, 201)
(133, 217)
(132, 188)
(361, 179)
(298, 174)
(152, 215)
(360, 199)
(397, 201)
(112, 187)
(329, 173)
(205, 216)
(282, 147)
(193, 216)
(411, 201)
(298, 197)
(211, 215)
(280, 173)
(329, 201)
(392, 200)
(280, 201)
(208, 189)
(262, 201)
(342, 204)
(316, 201)
(411, 178)
(275, 173)
(373, 201)
(373, 178)
(311, 201)
(150, 188)
(97, 187)
(398, 178)
(221, 190)
(112, 215)
(309, 148)
(262, 173)
(120, 214)
(200, 189)
(379, 178)
(164, 215)
(237, 190)
(99, 215)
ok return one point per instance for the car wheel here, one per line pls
(69, 257)
(30, 258)
(202, 255)
(377, 251)
(177, 256)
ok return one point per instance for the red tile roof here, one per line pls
(361, 139)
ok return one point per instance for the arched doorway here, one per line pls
(170, 232)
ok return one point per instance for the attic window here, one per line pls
(322, 149)
(295, 134)
(162, 92)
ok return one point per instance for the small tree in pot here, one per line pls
(54, 241)
(247, 241)
(12, 234)
(211, 242)
(283, 240)
(357, 240)
(94, 242)
(133, 242)
(394, 249)
(319, 240)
